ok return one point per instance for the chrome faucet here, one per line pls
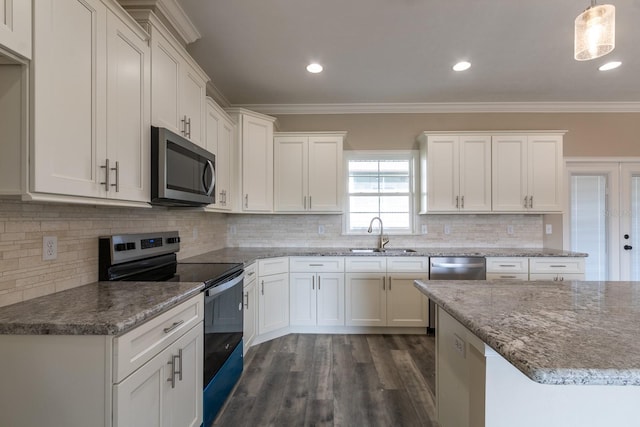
(383, 239)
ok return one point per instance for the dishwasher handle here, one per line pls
(454, 265)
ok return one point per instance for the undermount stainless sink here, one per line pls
(375, 250)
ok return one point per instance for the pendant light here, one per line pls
(595, 31)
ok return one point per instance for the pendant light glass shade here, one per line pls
(595, 32)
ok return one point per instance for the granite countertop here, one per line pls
(101, 308)
(249, 255)
(554, 332)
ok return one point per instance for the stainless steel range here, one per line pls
(152, 257)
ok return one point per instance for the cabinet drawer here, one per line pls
(250, 273)
(316, 264)
(556, 265)
(273, 266)
(556, 276)
(369, 264)
(508, 276)
(508, 265)
(407, 264)
(136, 347)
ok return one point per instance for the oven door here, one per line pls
(222, 324)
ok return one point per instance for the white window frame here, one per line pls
(412, 156)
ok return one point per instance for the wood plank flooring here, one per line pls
(336, 380)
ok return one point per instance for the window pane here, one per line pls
(359, 204)
(394, 204)
(363, 184)
(394, 184)
(395, 220)
(394, 167)
(361, 221)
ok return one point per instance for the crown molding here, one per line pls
(171, 11)
(447, 107)
(214, 92)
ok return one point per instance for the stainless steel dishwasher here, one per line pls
(454, 268)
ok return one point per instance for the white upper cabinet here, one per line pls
(527, 172)
(455, 172)
(219, 138)
(178, 86)
(90, 102)
(308, 172)
(15, 26)
(255, 133)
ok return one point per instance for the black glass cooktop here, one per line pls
(210, 274)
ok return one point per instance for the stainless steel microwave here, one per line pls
(182, 174)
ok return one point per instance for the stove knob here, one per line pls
(131, 246)
(173, 240)
(120, 247)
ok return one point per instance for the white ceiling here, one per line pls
(402, 51)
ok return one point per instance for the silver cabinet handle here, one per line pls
(452, 265)
(316, 265)
(251, 273)
(179, 372)
(106, 175)
(263, 287)
(304, 202)
(384, 280)
(525, 201)
(462, 202)
(457, 202)
(184, 125)
(531, 202)
(318, 282)
(309, 202)
(389, 282)
(313, 282)
(189, 127)
(507, 277)
(246, 304)
(117, 170)
(172, 327)
(172, 378)
(561, 278)
(507, 265)
(246, 201)
(558, 266)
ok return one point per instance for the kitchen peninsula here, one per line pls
(536, 353)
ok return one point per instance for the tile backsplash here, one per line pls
(23, 273)
(464, 230)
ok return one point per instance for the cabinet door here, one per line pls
(475, 173)
(325, 180)
(257, 164)
(192, 104)
(166, 64)
(443, 173)
(15, 26)
(250, 311)
(509, 173)
(545, 169)
(291, 185)
(146, 397)
(69, 97)
(406, 305)
(303, 299)
(273, 302)
(365, 299)
(223, 163)
(128, 111)
(185, 400)
(213, 123)
(330, 299)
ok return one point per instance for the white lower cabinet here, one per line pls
(535, 268)
(167, 390)
(149, 376)
(273, 294)
(386, 297)
(507, 268)
(250, 306)
(316, 291)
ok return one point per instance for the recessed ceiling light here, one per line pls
(461, 66)
(314, 68)
(610, 66)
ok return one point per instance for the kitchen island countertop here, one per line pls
(100, 308)
(572, 333)
(248, 255)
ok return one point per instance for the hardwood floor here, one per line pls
(336, 380)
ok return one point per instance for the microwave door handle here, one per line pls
(208, 189)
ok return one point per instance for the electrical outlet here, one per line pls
(321, 229)
(548, 229)
(424, 228)
(49, 248)
(195, 233)
(447, 229)
(233, 229)
(509, 229)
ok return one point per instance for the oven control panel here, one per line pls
(130, 247)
